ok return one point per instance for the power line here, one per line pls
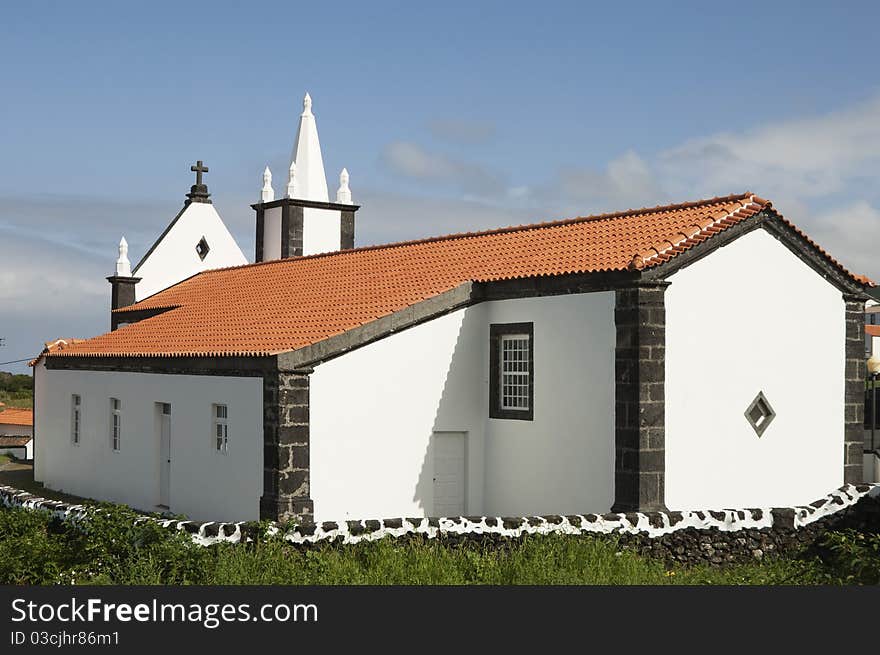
(16, 361)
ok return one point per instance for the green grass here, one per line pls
(109, 549)
(4, 459)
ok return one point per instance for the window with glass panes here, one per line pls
(511, 375)
(221, 429)
(515, 372)
(115, 423)
(75, 418)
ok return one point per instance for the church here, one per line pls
(637, 360)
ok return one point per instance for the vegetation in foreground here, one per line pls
(108, 548)
(16, 390)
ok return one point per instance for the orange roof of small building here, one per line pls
(283, 305)
(15, 416)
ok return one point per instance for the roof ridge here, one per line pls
(664, 245)
(498, 230)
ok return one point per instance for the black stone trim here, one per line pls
(121, 295)
(291, 231)
(261, 229)
(346, 240)
(772, 222)
(496, 331)
(298, 202)
(640, 397)
(221, 365)
(854, 389)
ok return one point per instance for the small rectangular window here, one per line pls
(75, 418)
(511, 363)
(221, 430)
(115, 424)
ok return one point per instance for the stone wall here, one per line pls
(703, 536)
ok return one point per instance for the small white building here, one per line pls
(16, 432)
(627, 361)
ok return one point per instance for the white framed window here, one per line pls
(221, 429)
(75, 419)
(115, 424)
(515, 372)
(511, 362)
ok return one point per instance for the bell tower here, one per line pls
(304, 221)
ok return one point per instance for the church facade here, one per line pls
(638, 360)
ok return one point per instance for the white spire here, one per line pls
(268, 193)
(291, 180)
(310, 181)
(123, 266)
(343, 195)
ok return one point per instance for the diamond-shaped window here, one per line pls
(760, 414)
(202, 248)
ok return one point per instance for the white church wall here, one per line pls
(205, 484)
(321, 230)
(175, 257)
(373, 413)
(752, 317)
(562, 462)
(272, 234)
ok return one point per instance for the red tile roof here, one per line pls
(283, 305)
(13, 416)
(14, 441)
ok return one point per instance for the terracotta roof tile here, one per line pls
(283, 305)
(14, 441)
(14, 416)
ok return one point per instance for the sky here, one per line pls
(449, 117)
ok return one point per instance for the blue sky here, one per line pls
(449, 117)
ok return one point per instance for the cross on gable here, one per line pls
(198, 169)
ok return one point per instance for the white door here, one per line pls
(164, 453)
(449, 473)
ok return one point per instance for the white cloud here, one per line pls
(459, 130)
(413, 161)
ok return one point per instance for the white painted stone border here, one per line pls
(353, 532)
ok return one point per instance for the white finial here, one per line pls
(307, 104)
(123, 266)
(268, 193)
(343, 195)
(291, 180)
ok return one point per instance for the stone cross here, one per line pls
(198, 169)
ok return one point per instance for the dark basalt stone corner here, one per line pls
(327, 526)
(372, 526)
(355, 527)
(393, 523)
(211, 530)
(675, 517)
(783, 517)
(655, 519)
(307, 530)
